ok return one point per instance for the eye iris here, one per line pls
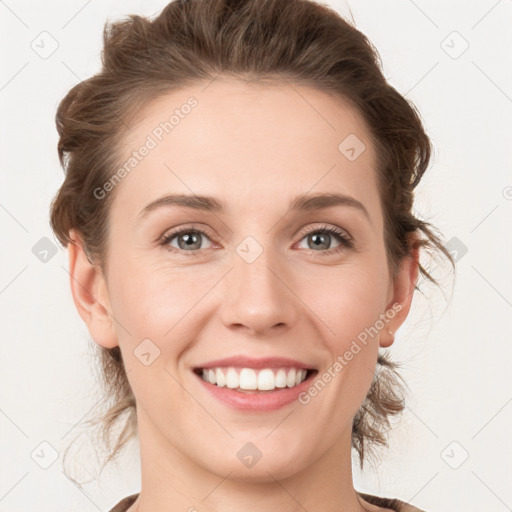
(190, 240)
(317, 236)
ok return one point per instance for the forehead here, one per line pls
(243, 141)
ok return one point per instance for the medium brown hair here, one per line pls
(293, 41)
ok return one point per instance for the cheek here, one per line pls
(354, 306)
(351, 310)
(156, 301)
(354, 300)
(154, 310)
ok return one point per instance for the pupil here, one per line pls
(316, 238)
(190, 239)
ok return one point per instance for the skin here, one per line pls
(256, 147)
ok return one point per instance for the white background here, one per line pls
(456, 353)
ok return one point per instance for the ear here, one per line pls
(401, 293)
(90, 294)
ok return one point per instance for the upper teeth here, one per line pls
(248, 378)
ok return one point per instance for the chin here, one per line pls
(258, 461)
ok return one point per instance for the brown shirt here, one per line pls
(393, 504)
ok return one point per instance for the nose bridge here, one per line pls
(255, 293)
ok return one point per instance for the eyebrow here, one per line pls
(303, 202)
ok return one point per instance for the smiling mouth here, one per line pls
(251, 380)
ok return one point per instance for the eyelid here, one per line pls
(172, 232)
(307, 230)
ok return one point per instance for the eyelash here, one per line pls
(346, 242)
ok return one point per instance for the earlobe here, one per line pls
(403, 287)
(90, 294)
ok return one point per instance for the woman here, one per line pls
(238, 213)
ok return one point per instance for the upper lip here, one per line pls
(253, 362)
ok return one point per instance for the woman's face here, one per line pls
(255, 277)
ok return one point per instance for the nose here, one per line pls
(258, 297)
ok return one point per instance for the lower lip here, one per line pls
(257, 401)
